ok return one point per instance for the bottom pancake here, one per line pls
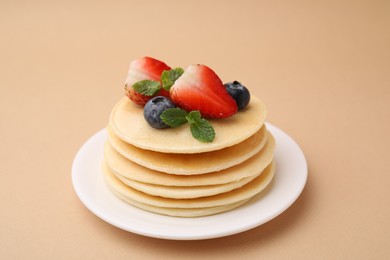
(177, 192)
(180, 212)
(219, 203)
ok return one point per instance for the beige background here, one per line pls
(322, 67)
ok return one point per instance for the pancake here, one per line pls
(245, 192)
(177, 192)
(128, 123)
(180, 212)
(186, 164)
(254, 165)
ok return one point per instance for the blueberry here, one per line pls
(153, 109)
(239, 93)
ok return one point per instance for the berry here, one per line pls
(239, 93)
(153, 110)
(200, 88)
(145, 68)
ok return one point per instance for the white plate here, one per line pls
(289, 181)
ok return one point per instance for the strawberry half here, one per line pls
(141, 69)
(200, 88)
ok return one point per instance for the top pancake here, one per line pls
(128, 123)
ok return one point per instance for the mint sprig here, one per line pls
(201, 129)
(147, 87)
(168, 77)
(151, 87)
(174, 117)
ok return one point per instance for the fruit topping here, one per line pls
(153, 110)
(239, 93)
(200, 88)
(173, 97)
(142, 69)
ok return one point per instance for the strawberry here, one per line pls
(200, 88)
(145, 68)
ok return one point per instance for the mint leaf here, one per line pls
(201, 129)
(168, 77)
(174, 117)
(147, 87)
(193, 117)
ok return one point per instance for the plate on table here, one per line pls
(288, 183)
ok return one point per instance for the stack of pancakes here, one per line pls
(167, 171)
